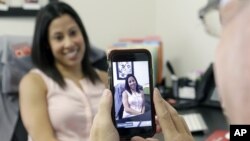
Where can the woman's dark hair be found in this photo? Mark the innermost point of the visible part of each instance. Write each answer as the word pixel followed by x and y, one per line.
pixel 42 56
pixel 127 85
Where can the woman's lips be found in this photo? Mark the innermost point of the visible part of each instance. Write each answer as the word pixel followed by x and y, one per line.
pixel 71 54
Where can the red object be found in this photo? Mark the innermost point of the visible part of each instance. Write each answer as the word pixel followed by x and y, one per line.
pixel 218 135
pixel 21 50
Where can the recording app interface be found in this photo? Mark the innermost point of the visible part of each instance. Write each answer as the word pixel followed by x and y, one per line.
pixel 132 94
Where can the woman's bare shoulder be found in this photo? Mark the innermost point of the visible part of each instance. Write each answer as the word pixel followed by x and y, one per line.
pixel 32 82
pixel 125 92
pixel 31 77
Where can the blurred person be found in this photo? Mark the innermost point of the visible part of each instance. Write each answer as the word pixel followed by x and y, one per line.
pixel 232 62
pixel 60 96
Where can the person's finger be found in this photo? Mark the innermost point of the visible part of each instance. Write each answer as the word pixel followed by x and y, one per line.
pixel 137 138
pixel 176 120
pixel 185 125
pixel 158 127
pixel 180 126
pixel 151 139
pixel 105 103
pixel 163 114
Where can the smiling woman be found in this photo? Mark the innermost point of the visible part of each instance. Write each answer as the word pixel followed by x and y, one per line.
pixel 59 97
pixel 132 98
pixel 67 44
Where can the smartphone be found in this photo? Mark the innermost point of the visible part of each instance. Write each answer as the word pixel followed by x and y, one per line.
pixel 131 83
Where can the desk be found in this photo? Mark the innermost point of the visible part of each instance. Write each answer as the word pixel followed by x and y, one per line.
pixel 213 117
pixel 143 117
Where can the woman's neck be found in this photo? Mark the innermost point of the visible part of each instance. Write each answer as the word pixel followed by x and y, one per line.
pixel 74 73
pixel 132 90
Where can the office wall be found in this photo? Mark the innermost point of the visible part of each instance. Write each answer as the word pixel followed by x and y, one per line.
pixel 109 20
pixel 186 44
pixel 140 75
pixel 105 20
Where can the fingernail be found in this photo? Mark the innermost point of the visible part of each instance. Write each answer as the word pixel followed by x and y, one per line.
pixel 157 93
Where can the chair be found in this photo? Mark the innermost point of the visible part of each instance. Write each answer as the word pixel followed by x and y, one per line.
pixel 119 88
pixel 13 65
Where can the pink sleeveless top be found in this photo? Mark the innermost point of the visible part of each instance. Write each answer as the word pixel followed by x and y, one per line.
pixel 71 110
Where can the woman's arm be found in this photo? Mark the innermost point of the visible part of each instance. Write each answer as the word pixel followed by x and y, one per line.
pixel 127 106
pixel 34 108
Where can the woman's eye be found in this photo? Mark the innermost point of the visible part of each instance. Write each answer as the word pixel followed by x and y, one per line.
pixel 73 33
pixel 58 37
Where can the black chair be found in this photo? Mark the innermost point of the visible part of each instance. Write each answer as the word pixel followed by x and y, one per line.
pixel 20 133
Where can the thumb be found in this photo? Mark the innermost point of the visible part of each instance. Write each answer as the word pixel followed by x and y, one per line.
pixel 106 103
pixel 163 113
pixel 137 138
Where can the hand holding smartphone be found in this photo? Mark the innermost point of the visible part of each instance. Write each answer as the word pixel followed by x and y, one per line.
pixel 130 76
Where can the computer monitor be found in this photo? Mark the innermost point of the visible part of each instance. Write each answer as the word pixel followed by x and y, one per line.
pixel 213 99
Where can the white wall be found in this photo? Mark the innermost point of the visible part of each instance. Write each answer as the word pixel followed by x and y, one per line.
pixel 106 21
pixel 140 72
pixel 186 44
pixel 17 26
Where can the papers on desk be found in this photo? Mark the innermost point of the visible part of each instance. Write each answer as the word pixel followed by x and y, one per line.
pixel 187 92
pixel 195 122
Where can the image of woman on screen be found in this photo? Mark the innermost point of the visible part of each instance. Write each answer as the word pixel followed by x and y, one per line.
pixel 132 98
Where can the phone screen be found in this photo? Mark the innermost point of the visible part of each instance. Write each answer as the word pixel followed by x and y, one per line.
pixel 132 91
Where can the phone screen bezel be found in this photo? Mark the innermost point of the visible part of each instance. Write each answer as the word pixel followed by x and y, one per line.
pixel 133 55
